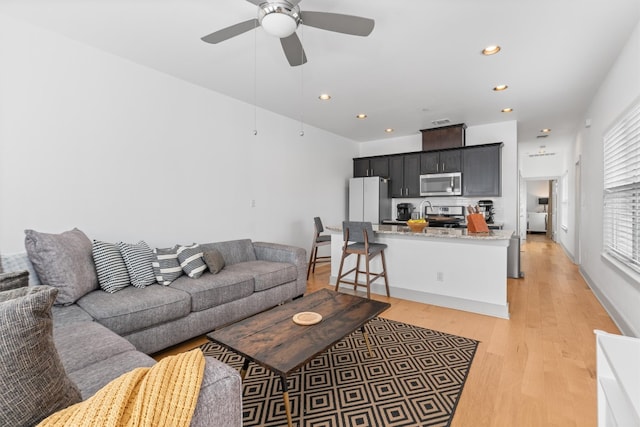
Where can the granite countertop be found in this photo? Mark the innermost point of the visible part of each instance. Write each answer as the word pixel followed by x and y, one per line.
pixel 449 233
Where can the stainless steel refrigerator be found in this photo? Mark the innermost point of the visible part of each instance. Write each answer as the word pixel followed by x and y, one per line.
pixel 369 199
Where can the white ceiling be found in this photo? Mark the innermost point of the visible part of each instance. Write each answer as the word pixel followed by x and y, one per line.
pixel 421 63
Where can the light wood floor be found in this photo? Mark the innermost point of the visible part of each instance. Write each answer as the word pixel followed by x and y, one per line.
pixel 536 369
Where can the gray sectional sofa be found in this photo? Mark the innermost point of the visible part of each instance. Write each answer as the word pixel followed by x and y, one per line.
pixel 103 335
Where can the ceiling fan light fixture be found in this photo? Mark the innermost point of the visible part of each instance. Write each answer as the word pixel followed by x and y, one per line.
pixel 279 19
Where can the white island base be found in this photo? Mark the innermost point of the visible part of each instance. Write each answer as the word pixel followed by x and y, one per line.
pixel 444 267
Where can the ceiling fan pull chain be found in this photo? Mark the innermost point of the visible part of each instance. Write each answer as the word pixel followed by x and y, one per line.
pixel 302 84
pixel 255 78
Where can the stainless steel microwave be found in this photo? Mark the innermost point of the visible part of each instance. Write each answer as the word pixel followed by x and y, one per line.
pixel 441 184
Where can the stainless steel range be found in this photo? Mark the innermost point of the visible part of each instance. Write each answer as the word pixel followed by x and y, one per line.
pixel 445 216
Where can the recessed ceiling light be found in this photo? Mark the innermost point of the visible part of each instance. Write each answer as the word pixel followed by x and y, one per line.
pixel 388 130
pixel 500 87
pixel 507 110
pixel 545 130
pixel 325 96
pixel 491 50
pixel 361 116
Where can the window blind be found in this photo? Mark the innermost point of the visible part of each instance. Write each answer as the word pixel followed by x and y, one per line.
pixel 621 219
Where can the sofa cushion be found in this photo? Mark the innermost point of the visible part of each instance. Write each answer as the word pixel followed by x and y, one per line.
pixel 63 261
pixel 138 258
pixel 93 377
pixel 83 344
pixel 132 309
pixel 190 258
pixel 18 279
pixel 233 251
pixel 266 274
pixel 214 260
pixel 165 265
pixel 33 382
pixel 211 290
pixel 110 267
pixel 66 314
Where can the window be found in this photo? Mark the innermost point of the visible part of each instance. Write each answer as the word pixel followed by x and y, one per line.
pixel 621 219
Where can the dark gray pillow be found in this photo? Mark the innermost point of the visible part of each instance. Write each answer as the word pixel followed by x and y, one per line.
pixel 16 280
pixel 33 382
pixel 63 261
pixel 214 260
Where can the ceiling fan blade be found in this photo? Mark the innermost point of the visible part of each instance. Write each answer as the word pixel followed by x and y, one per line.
pixel 347 24
pixel 293 50
pixel 232 31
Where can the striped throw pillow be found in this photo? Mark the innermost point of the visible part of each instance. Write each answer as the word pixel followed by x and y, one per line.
pixel 166 266
pixel 111 269
pixel 191 261
pixel 138 259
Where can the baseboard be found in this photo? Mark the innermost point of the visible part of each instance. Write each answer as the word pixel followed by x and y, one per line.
pixel 488 309
pixel 617 318
pixel 566 252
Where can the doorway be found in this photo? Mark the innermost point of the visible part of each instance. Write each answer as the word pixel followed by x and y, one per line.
pixel 540 204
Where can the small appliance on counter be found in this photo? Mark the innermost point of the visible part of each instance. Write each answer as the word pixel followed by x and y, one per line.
pixel 404 211
pixel 445 216
pixel 486 208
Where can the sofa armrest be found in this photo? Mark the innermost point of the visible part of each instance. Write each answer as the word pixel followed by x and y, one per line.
pixel 220 398
pixel 276 252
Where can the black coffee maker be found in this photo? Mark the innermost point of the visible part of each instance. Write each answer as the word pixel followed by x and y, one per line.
pixel 486 208
pixel 404 211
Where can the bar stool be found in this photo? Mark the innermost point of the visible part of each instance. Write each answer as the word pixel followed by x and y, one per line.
pixel 318 240
pixel 359 232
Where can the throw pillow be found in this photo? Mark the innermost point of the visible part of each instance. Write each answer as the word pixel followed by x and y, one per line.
pixel 138 259
pixel 15 280
pixel 63 261
pixel 33 382
pixel 191 261
pixel 110 266
pixel 214 260
pixel 166 266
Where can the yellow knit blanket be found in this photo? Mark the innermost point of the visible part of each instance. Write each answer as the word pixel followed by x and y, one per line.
pixel 163 395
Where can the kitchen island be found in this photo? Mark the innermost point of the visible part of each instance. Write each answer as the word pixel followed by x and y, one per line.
pixel 448 267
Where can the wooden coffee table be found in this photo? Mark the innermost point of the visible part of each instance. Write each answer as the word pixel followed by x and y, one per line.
pixel 271 338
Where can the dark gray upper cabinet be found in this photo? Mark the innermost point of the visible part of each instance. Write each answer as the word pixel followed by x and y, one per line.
pixel 440 161
pixel 481 170
pixel 404 172
pixel 371 166
pixel 480 165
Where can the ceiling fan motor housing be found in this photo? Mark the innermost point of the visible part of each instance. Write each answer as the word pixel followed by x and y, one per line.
pixel 280 18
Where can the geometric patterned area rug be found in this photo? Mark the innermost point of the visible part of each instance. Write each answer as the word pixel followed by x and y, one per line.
pixel 415 378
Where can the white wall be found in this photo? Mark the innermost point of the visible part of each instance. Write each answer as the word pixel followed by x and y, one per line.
pixel 619 293
pixel 506 132
pixel 93 141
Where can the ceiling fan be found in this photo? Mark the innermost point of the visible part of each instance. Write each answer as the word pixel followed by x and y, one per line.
pixel 281 18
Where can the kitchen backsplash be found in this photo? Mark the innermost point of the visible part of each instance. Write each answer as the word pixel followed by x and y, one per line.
pixel 498 207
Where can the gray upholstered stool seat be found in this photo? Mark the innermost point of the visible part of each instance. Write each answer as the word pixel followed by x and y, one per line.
pixel 361 234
